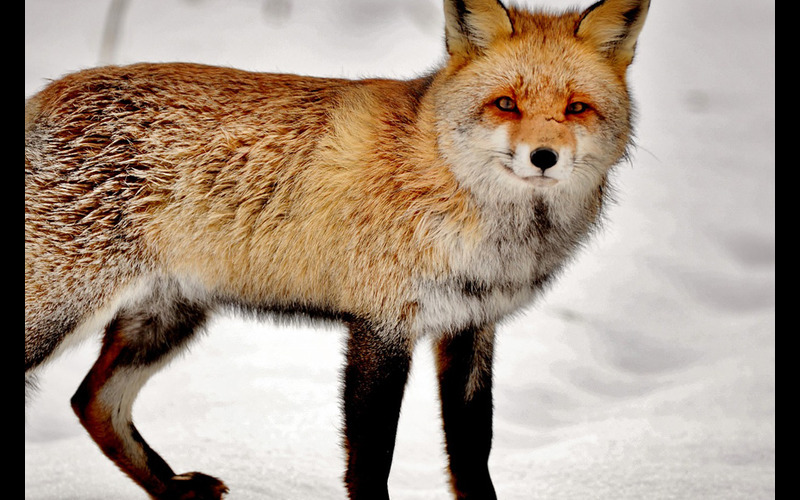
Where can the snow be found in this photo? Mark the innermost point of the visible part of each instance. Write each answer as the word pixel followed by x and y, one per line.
pixel 648 371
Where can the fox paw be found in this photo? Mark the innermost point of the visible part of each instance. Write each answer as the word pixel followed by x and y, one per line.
pixel 194 486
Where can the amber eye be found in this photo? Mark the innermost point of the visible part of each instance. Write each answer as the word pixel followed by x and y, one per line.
pixel 505 104
pixel 576 108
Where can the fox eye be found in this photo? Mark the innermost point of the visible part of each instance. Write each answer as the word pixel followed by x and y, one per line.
pixel 505 104
pixel 576 108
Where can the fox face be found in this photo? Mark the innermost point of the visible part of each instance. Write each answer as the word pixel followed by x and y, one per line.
pixel 538 104
pixel 432 208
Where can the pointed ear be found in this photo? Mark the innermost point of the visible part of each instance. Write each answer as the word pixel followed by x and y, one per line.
pixel 613 26
pixel 472 25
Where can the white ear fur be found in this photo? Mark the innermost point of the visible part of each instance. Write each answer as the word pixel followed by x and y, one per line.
pixel 472 25
pixel 613 27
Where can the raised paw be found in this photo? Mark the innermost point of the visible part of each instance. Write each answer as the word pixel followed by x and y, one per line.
pixel 194 486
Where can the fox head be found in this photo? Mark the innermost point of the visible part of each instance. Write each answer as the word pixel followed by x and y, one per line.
pixel 535 101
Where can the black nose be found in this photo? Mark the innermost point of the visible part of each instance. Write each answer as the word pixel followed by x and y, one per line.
pixel 544 158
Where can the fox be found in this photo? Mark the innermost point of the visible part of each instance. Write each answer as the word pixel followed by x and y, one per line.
pixel 420 210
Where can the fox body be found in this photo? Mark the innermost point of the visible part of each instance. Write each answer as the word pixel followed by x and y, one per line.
pixel 156 194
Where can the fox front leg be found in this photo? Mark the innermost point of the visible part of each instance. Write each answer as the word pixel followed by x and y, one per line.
pixel 374 380
pixel 464 364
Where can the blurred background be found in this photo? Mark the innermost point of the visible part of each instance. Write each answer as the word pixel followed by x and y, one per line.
pixel 646 372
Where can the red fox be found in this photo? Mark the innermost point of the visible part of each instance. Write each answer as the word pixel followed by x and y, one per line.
pixel 157 194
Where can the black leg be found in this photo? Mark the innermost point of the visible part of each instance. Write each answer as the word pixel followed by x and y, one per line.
pixel 374 379
pixel 464 363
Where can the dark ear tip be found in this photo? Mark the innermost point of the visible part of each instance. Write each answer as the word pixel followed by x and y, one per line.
pixel 470 25
pixel 612 24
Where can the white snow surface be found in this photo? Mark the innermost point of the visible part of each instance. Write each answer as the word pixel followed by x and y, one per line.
pixel 647 372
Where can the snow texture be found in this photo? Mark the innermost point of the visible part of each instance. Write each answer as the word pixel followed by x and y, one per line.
pixel 648 371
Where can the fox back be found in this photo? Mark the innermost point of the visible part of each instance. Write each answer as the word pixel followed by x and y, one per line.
pixel 431 208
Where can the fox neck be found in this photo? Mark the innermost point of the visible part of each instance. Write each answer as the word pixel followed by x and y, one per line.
pixel 504 266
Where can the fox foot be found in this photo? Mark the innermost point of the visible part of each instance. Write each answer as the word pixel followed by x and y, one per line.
pixel 194 486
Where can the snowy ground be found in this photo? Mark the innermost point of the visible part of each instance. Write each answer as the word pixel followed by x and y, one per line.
pixel 648 372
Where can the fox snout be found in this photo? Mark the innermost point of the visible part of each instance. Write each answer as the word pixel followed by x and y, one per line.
pixel 544 158
pixel 541 162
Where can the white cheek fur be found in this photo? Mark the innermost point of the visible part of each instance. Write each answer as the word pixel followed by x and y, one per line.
pixel 499 139
pixel 521 162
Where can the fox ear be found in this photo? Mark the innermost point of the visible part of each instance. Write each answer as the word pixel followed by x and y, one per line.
pixel 472 25
pixel 613 27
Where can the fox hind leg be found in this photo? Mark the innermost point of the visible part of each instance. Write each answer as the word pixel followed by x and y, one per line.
pixel 136 344
pixel 464 365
